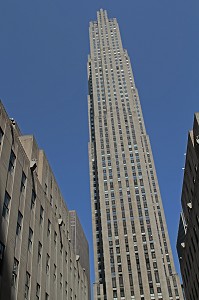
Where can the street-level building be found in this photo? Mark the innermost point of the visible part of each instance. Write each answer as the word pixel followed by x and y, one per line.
pixel 79 242
pixel 37 260
pixel 188 233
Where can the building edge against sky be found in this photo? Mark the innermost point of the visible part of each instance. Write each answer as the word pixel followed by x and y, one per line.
pixel 132 253
pixel 188 232
pixel 37 257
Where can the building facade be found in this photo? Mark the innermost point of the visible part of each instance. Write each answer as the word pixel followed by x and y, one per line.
pixel 132 253
pixel 188 233
pixel 37 260
pixel 79 243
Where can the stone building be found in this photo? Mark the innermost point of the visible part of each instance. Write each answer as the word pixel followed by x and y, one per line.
pixel 79 242
pixel 132 253
pixel 37 260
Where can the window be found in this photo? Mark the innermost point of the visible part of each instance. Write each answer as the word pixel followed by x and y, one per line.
pixel 39 252
pixel 113 283
pixel 6 205
pixel 41 214
pixel 30 236
pixel 1 135
pixel 61 281
pixel 45 189
pixel 46 296
pixel 121 281
pixel 195 234
pixel 122 293
pixel 51 200
pixel 23 182
pixel 115 294
pixel 11 162
pixel 37 291
pixel 157 279
pixel 49 227
pixel 55 237
pixel 19 221
pixel 55 210
pixel 2 248
pixel 54 272
pixel 66 287
pixel 47 264
pixel 33 198
pixel 27 285
pixel 15 272
pixel 159 289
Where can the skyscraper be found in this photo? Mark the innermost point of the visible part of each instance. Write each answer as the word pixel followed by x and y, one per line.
pixel 132 253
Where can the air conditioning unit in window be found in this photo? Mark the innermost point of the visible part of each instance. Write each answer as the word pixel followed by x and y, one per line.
pixel 1 251
pixel 33 165
pixel 182 245
pixel 60 222
pixel 189 205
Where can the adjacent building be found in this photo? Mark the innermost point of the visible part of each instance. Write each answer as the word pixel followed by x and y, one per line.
pixel 79 243
pixel 132 253
pixel 188 233
pixel 37 259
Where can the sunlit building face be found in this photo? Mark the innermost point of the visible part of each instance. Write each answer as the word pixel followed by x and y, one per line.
pixel 132 252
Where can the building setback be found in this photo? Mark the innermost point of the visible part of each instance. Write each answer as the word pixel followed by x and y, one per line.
pixel 37 260
pixel 132 253
pixel 188 233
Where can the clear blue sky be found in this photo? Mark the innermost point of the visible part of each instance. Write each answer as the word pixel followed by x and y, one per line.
pixel 43 85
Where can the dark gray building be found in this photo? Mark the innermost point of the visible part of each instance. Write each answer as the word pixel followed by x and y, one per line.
pixel 132 253
pixel 188 233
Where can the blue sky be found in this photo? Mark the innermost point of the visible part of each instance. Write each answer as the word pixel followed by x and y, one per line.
pixel 43 85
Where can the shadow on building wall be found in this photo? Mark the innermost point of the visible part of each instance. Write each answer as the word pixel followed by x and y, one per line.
pixel 5 270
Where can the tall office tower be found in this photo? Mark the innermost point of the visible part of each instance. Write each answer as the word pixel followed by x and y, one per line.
pixel 37 259
pixel 132 253
pixel 188 233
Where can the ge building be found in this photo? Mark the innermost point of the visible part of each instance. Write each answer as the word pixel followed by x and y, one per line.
pixel 132 253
